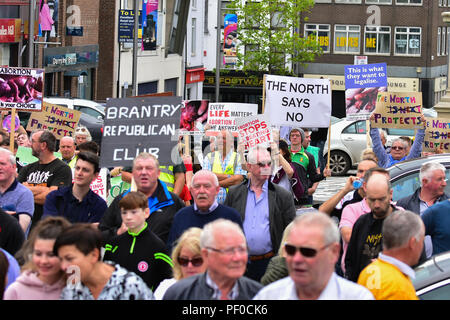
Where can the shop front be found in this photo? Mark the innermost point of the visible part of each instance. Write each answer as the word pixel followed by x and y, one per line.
pixel 71 71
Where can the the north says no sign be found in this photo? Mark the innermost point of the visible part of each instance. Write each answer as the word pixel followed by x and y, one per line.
pixel 290 99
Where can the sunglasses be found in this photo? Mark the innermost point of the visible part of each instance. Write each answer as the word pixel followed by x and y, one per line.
pixel 196 262
pixel 304 251
pixel 397 148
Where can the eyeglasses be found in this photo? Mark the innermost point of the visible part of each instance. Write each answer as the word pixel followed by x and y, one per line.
pixel 229 251
pixel 81 129
pixel 264 164
pixel 196 262
pixel 304 251
pixel 397 148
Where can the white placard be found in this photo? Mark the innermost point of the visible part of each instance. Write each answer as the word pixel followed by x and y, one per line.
pixel 297 102
pixel 223 115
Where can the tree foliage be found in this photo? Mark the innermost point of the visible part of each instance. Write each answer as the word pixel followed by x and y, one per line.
pixel 268 33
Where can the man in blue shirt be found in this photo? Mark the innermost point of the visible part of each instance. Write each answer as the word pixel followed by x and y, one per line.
pixel 399 148
pixel 78 203
pixel 266 209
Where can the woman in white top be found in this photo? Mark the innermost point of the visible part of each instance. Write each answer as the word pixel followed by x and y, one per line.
pixel 187 260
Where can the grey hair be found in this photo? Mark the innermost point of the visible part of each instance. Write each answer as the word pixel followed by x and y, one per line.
pixel 427 169
pixel 11 157
pixel 207 238
pixel 252 154
pixel 204 172
pixel 146 155
pixel 79 132
pixel 404 143
pixel 399 227
pixel 330 228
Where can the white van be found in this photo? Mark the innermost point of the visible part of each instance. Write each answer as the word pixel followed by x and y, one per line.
pixel 89 107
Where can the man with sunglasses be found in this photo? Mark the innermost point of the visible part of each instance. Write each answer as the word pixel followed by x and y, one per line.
pixel 204 189
pixel 224 250
pixel 311 251
pixel 399 149
pixel 266 209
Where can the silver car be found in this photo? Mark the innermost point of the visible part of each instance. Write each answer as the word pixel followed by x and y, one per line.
pixel 349 139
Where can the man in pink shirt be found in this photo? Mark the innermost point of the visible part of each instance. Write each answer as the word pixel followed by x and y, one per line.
pixel 353 211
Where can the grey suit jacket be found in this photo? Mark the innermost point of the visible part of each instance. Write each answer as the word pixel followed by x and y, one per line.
pixel 281 208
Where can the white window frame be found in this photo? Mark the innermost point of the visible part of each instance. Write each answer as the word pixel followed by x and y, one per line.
pixel 347 31
pixel 377 32
pixel 193 37
pixel 384 2
pixel 408 33
pixel 444 41
pixel 347 1
pixel 317 29
pixel 438 48
pixel 408 3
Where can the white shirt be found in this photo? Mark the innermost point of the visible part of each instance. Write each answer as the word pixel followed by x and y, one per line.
pixel 337 288
pixel 404 268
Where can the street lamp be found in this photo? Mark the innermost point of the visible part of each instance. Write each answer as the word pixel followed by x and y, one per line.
pixel 443 107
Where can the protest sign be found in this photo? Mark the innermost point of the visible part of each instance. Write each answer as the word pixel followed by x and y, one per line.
pixel 362 84
pixel 254 130
pixel 398 110
pixel 298 102
pixel 222 116
pixel 25 155
pixel 21 88
pixel 135 125
pixel 194 116
pixel 59 120
pixel 118 186
pixel 437 135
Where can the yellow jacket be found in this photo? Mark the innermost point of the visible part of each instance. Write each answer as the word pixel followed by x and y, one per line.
pixel 387 282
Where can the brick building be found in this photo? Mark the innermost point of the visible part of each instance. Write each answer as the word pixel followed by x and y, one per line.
pixel 408 35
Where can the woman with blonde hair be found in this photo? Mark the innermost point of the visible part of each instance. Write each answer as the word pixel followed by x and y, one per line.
pixel 42 277
pixel 187 260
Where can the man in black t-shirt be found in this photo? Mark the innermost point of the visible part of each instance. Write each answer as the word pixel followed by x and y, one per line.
pixel 46 174
pixel 366 239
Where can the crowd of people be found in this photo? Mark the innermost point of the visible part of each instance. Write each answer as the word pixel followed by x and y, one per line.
pixel 230 224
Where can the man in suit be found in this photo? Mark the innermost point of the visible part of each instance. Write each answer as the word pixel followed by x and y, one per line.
pixel 266 209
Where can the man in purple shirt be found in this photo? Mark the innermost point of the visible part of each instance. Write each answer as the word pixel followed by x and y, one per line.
pixel 266 210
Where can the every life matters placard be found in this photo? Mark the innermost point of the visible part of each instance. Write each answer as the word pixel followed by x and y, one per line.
pixel 297 102
pixel 223 115
pixel 398 110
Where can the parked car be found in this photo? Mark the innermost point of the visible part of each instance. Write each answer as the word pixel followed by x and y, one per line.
pixel 89 107
pixel 432 281
pixel 349 139
pixel 405 175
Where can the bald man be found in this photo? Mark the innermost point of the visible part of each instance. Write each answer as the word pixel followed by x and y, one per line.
pixel 67 148
pixel 366 240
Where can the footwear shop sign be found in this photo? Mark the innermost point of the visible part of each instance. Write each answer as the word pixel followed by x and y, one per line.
pixel 134 125
pixel 301 102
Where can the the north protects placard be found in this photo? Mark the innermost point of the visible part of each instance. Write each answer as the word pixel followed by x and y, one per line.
pixel 135 125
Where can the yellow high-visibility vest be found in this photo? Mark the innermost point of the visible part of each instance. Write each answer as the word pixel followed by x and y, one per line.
pixel 166 175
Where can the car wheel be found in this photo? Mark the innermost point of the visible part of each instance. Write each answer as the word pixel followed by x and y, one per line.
pixel 339 163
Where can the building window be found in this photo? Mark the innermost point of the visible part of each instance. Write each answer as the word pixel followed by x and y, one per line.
pixel 194 37
pixel 408 41
pixel 409 2
pixel 448 38
pixel 347 1
pixel 346 39
pixel 322 34
pixel 444 42
pixel 322 1
pixel 377 40
pixel 439 41
pixel 379 1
